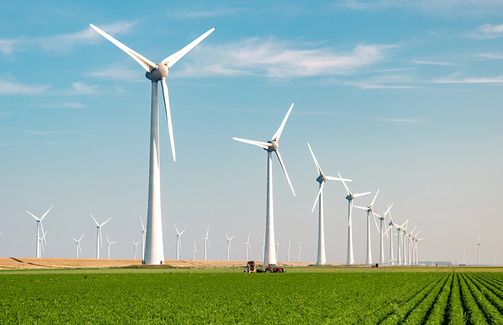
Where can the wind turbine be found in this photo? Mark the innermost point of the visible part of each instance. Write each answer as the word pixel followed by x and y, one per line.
pixel 321 258
pixel 40 227
pixel 77 241
pixel 99 235
pixel 194 251
pixel 370 214
pixel 153 250
pixel 42 245
pixel 135 245
pixel 110 243
pixel 404 233
pixel 206 243
pixel 478 251
pixel 299 250
pixel 382 232
pixel 288 251
pixel 399 229
pixel 178 241
pixel 228 246
pixel 277 251
pixel 271 146
pixel 350 197
pixel 247 245
pixel 143 233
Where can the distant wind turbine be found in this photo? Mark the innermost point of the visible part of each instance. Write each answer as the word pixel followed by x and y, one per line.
pixel 135 246
pixel 110 243
pixel 370 215
pixel 194 251
pixel 155 72
pixel 229 238
pixel 143 233
pixel 247 246
pixel 99 235
pixel 321 258
pixel 350 197
pixel 206 243
pixel 178 242
pixel 40 228
pixel 299 250
pixel 271 146
pixel 77 242
pixel 382 232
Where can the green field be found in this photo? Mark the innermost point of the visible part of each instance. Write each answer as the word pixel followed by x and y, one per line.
pixel 304 295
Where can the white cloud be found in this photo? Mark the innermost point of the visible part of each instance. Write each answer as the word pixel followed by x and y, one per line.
pixel 498 80
pixel 425 62
pixel 15 88
pixel 61 42
pixel 280 59
pixel 72 105
pixel 486 31
pixel 491 56
pixel 83 89
pixel 118 72
pixel 399 120
pixel 205 13
pixel 382 82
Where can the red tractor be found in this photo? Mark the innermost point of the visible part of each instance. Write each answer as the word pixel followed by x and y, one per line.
pixel 273 268
pixel 251 267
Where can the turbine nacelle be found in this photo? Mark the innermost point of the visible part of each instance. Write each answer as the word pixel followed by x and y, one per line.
pixel 273 146
pixel 158 73
pixel 321 179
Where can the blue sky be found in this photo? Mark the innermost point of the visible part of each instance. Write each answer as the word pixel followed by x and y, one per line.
pixel 399 95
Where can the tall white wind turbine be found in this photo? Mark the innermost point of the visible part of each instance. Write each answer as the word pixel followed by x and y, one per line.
pixel 382 232
pixel 43 244
pixel 370 214
pixel 206 243
pixel 155 72
pixel 299 251
pixel 178 242
pixel 350 197
pixel 77 242
pixel 271 146
pixel 194 251
pixel 321 258
pixel 99 235
pixel 109 243
pixel 143 234
pixel 229 238
pixel 40 228
pixel 247 246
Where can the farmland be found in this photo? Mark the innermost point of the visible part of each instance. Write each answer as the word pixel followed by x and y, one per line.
pixel 325 295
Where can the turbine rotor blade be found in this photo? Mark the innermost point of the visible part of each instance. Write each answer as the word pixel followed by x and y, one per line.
pixel 344 183
pixel 332 178
pixel 104 223
pixel 375 197
pixel 46 212
pixel 95 221
pixel 320 192
pixel 361 194
pixel 375 221
pixel 260 144
pixel 167 110
pixel 82 237
pixel 280 159
pixel 140 59
pixel 318 168
pixel 173 58
pixel 31 214
pixel 360 207
pixel 277 135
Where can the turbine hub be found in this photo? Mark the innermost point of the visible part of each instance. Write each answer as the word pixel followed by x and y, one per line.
pixel 320 179
pixel 349 197
pixel 273 146
pixel 157 74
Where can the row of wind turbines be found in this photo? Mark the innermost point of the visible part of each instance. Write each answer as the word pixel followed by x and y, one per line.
pixel 152 237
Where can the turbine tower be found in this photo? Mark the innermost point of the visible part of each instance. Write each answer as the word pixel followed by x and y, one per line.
pixel 110 243
pixel 247 246
pixel 206 243
pixel 350 197
pixel 288 251
pixel 194 251
pixel 229 238
pixel 99 235
pixel 478 251
pixel 178 242
pixel 299 250
pixel 77 242
pixel 271 146
pixel 143 233
pixel 135 245
pixel 382 232
pixel 153 250
pixel 321 258
pixel 40 228
pixel 370 214
pixel 42 245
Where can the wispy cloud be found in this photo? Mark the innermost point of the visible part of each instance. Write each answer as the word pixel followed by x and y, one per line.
pixel 274 58
pixel 381 82
pixel 71 105
pixel 14 88
pixel 60 42
pixel 118 72
pixel 486 31
pixel 398 120
pixel 498 80
pixel 206 13
pixel 427 62
pixel 430 7
pixel 491 56
pixel 81 88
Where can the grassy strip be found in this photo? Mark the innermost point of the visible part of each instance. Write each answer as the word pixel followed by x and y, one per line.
pixel 475 315
pixel 455 313
pixel 425 307
pixel 491 313
pixel 438 311
pixel 496 304
pixel 403 310
pixel 489 285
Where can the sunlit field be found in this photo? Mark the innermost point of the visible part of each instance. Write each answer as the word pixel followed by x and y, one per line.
pixel 226 295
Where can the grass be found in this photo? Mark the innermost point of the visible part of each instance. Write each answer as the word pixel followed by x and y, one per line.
pixel 301 295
